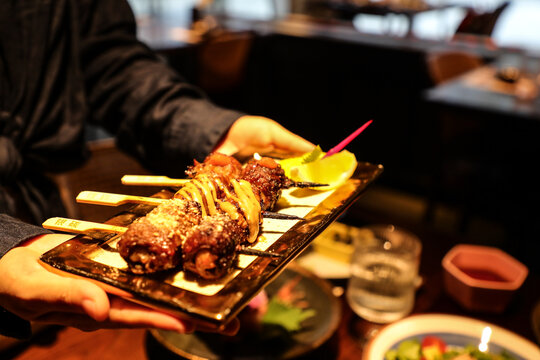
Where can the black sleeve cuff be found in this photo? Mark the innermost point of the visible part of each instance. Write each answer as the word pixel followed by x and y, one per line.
pixel 13 326
pixel 13 232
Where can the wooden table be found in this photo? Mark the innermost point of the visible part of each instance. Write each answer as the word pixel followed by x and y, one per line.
pixel 72 344
pixel 480 91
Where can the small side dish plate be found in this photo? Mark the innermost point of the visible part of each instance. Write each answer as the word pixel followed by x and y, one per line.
pixel 254 344
pixel 95 257
pixel 456 331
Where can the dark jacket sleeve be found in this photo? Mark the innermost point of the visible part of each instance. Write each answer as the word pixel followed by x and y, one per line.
pixel 157 116
pixel 13 326
pixel 13 232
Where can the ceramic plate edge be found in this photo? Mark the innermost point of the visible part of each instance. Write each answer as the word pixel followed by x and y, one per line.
pixel 432 323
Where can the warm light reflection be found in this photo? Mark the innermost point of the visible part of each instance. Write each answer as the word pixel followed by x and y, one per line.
pixel 256 156
pixel 484 340
pixel 184 35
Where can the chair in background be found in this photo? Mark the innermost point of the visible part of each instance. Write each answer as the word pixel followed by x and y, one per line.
pixel 222 59
pixel 480 23
pixel 222 65
pixel 476 28
pixel 102 172
pixel 445 65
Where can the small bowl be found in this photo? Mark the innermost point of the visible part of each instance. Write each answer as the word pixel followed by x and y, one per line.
pixel 482 278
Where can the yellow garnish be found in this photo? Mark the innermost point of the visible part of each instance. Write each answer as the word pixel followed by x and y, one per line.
pixel 333 170
pixel 287 164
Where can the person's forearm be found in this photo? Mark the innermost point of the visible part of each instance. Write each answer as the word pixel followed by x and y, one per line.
pixel 157 116
pixel 13 232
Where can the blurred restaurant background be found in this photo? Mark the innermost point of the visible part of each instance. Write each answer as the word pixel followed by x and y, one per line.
pixel 458 158
pixel 451 87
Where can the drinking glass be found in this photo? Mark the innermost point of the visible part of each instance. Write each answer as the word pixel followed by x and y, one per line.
pixel 384 272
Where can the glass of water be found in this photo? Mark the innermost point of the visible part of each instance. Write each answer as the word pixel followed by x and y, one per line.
pixel 384 272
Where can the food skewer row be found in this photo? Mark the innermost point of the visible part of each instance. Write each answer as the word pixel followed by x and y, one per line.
pixel 103 198
pixel 87 227
pixel 206 221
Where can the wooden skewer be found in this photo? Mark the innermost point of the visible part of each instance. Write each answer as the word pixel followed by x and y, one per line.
pixel 305 184
pixel 280 216
pixel 85 227
pixel 103 198
pixel 158 180
pixel 152 180
pixel 80 226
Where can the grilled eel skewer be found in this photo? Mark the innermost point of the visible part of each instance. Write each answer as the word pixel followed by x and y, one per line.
pixel 201 228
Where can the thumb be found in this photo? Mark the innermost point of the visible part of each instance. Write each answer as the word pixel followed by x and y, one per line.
pixel 287 141
pixel 65 294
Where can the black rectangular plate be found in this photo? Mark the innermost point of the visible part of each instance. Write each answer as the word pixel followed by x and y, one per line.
pixel 75 257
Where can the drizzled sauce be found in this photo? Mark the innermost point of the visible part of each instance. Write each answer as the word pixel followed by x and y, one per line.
pixel 202 189
pixel 249 204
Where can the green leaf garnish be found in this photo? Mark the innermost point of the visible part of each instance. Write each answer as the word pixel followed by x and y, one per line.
pixel 285 315
pixel 315 154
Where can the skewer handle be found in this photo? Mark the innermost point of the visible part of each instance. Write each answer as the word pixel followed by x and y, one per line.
pixel 103 198
pixel 153 180
pixel 79 226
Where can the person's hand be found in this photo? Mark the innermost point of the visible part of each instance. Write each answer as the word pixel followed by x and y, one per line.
pixel 250 134
pixel 33 293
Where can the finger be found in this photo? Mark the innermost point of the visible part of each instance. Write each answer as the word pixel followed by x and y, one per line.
pixel 70 295
pixel 34 291
pixel 230 329
pixel 285 140
pixel 248 151
pixel 80 321
pixel 125 313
